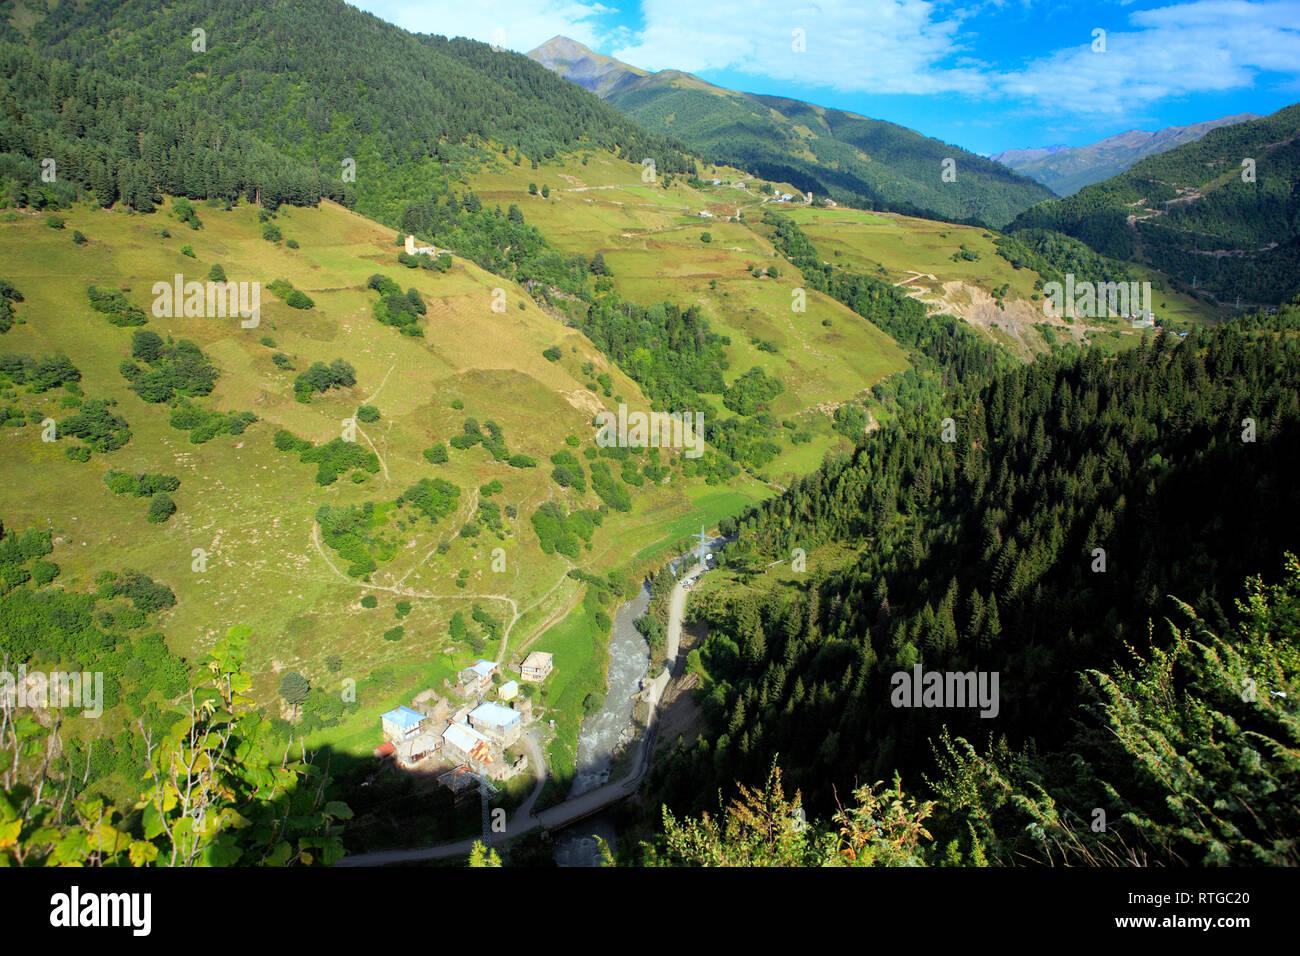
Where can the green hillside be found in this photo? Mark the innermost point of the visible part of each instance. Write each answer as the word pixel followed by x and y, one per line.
pixel 851 158
pixel 414 105
pixel 1220 215
pixel 290 540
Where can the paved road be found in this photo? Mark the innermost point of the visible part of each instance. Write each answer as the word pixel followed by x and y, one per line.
pixel 525 821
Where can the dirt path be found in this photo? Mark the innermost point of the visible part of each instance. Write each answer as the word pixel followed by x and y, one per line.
pixel 570 810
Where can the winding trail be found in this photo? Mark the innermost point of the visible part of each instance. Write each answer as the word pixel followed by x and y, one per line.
pixel 593 801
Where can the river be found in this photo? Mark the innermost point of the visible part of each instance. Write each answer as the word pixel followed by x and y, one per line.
pixel 602 734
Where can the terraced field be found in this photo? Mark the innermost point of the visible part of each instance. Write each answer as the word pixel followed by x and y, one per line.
pixel 247 512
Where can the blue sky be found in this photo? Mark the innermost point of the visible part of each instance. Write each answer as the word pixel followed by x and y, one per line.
pixel 984 74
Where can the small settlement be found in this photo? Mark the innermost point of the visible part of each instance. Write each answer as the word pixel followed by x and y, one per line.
pixel 470 730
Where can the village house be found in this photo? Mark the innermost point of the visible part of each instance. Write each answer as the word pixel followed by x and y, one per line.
pixel 477 678
pixel 496 722
pixel 463 744
pixel 413 250
pixel 536 667
pixel 509 690
pixel 424 744
pixel 401 723
pixel 706 214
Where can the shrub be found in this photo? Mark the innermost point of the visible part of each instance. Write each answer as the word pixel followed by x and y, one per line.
pixel 161 507
pixel 43 572
pixel 437 454
pixel 552 354
pixel 367 413
pixel 370 601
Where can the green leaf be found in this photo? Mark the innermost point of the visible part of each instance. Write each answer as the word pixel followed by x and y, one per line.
pixel 338 810
pixel 153 821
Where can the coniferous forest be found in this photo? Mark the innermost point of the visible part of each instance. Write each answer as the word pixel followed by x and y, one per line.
pixel 913 469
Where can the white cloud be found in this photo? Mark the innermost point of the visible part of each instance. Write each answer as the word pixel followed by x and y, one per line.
pixel 882 46
pixel 1203 47
pixel 519 25
pixel 910 46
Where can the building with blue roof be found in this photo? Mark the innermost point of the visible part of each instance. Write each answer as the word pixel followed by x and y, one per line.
pixel 402 723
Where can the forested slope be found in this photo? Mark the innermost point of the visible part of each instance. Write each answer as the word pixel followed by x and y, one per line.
pixel 323 82
pixel 1222 213
pixel 1078 495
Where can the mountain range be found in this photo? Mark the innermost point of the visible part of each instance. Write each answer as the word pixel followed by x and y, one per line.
pixel 848 157
pixel 1221 215
pixel 1067 169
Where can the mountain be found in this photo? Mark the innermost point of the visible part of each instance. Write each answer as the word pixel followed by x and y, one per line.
pixel 1010 157
pixel 1221 214
pixel 834 153
pixel 414 108
pixel 603 75
pixel 1065 170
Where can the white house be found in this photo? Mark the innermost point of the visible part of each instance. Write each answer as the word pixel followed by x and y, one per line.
pixel 496 722
pixel 477 677
pixel 401 723
pixel 413 250
pixel 466 745
pixel 536 667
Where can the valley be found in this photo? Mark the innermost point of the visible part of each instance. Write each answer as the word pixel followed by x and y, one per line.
pixel 314 331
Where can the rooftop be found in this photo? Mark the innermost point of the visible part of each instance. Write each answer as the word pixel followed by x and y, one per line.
pixel 483 668
pixel 468 740
pixel 404 717
pixel 495 715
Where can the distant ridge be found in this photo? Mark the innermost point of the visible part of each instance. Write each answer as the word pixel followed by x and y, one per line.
pixel 1065 170
pixel 828 152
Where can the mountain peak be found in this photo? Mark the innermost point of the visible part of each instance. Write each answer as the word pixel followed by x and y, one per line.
pixel 560 45
pixel 593 71
pixel 1067 170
